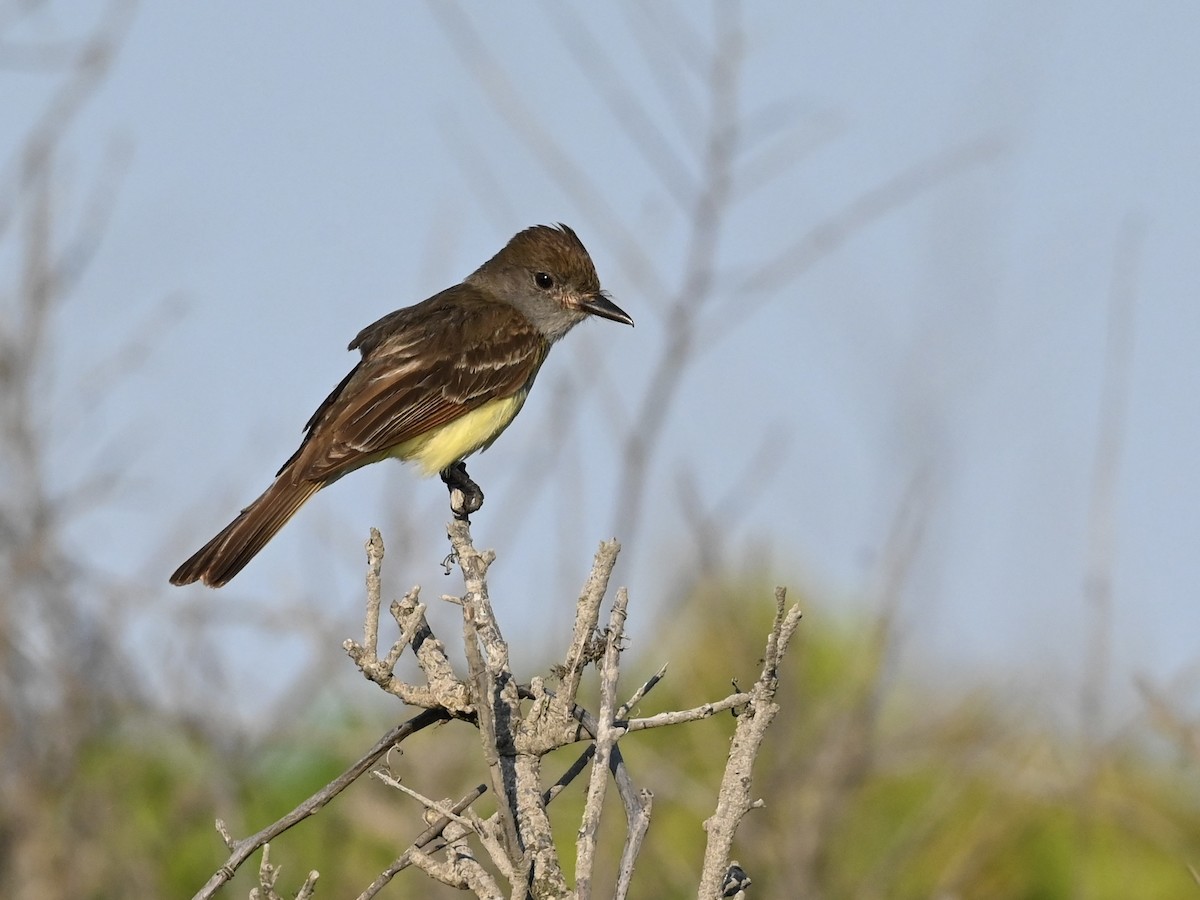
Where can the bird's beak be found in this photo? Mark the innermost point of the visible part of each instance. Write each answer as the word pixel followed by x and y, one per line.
pixel 600 305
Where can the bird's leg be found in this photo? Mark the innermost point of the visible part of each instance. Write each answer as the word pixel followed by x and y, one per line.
pixel 465 495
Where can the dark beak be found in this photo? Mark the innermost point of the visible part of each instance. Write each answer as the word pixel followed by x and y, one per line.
pixel 599 305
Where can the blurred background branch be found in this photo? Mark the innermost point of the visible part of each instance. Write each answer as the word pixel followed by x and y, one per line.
pixel 868 252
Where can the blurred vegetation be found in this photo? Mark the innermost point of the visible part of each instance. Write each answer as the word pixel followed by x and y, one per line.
pixel 873 786
pixel 869 791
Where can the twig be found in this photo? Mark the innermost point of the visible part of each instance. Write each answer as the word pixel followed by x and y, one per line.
pixel 1102 517
pixel 695 714
pixel 268 874
pixel 733 800
pixel 544 143
pixel 475 606
pixel 638 803
pixel 430 837
pixel 607 734
pixel 585 718
pixel 374 591
pixel 518 836
pixel 637 820
pixel 641 692
pixel 711 203
pixel 460 870
pixel 366 654
pixel 587 615
pixel 444 688
pixel 429 803
pixel 515 770
pixel 242 849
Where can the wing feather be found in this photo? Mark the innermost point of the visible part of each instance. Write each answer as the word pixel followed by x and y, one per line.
pixel 422 367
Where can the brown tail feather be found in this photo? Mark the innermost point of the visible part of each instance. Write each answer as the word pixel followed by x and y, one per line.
pixel 227 554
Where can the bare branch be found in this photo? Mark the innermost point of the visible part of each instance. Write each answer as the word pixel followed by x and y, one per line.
pixel 242 849
pixel 459 870
pixel 678 717
pixel 645 29
pixel 587 615
pixel 543 143
pixel 607 734
pixel 515 770
pixel 441 809
pixel 518 727
pixel 826 236
pixel 428 840
pixel 268 874
pixel 638 822
pixel 1110 433
pixel 639 125
pixel 444 689
pixel 733 801
pixel 88 68
pixel 642 438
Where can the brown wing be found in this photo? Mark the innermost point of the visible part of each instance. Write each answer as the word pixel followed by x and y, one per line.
pixel 422 367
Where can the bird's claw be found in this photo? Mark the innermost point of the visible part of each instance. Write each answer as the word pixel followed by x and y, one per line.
pixel 466 496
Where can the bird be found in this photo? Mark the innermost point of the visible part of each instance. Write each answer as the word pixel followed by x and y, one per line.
pixel 436 382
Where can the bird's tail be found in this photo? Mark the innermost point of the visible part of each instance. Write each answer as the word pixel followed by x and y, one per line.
pixel 227 554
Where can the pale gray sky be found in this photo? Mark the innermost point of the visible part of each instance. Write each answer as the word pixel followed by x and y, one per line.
pixel 297 171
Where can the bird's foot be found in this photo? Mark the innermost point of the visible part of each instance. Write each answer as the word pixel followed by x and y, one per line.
pixel 465 495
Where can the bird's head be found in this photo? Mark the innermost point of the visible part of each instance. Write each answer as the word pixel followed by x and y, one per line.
pixel 547 274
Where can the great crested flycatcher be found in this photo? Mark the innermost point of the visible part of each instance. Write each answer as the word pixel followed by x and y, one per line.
pixel 436 382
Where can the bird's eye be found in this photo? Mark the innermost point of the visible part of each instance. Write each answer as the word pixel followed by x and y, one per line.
pixel 544 281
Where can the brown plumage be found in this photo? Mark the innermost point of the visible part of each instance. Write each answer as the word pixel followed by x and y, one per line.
pixel 436 382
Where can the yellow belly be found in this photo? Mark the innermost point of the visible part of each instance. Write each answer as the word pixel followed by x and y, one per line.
pixel 437 449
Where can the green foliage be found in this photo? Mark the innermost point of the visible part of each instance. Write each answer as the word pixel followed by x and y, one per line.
pixel 871 788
